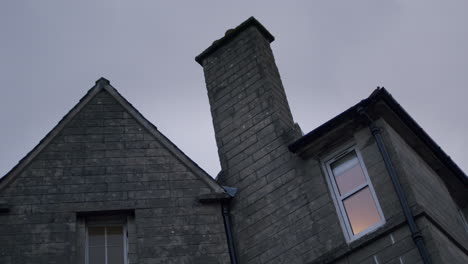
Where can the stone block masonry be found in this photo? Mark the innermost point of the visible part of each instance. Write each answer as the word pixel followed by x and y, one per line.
pixel 106 160
pixel 276 203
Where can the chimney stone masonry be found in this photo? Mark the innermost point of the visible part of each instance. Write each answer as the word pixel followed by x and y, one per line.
pixel 250 111
pixel 253 127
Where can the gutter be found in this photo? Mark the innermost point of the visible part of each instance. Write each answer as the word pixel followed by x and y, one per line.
pixel 226 210
pixel 416 235
pixel 225 200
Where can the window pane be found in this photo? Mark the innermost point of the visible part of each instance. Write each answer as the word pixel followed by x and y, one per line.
pixel 96 255
pixel 96 236
pixel 115 255
pixel 348 173
pixel 114 236
pixel 361 210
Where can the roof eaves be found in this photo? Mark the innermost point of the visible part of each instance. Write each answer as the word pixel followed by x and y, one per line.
pixel 297 145
pixel 422 135
pixel 381 94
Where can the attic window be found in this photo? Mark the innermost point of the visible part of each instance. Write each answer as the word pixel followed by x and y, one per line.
pixel 357 205
pixel 106 244
pixel 106 240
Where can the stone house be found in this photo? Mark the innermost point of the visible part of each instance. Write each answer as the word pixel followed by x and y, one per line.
pixel 105 186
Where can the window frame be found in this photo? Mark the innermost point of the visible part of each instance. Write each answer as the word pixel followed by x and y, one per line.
pixel 338 199
pixel 107 223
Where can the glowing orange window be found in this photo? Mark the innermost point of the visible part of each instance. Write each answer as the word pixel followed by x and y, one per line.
pixel 357 205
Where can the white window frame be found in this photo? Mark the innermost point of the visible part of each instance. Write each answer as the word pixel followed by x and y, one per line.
pixel 338 198
pixel 107 223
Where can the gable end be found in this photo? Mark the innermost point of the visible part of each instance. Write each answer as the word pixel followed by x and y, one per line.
pixel 104 85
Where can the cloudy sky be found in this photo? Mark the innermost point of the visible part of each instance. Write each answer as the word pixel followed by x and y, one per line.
pixel 330 54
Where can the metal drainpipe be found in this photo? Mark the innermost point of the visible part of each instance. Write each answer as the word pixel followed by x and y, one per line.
pixel 415 233
pixel 225 207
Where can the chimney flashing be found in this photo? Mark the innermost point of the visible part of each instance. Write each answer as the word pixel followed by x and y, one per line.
pixel 231 33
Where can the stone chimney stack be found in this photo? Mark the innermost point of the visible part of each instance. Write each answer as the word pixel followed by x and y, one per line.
pixel 250 112
pixel 253 127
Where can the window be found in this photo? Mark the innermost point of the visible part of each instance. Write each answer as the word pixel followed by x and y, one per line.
pixel 355 199
pixel 106 242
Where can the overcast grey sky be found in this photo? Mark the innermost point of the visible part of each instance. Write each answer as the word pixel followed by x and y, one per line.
pixel 330 54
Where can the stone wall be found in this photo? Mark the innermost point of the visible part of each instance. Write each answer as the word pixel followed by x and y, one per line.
pixel 105 160
pixel 284 211
pixel 428 191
